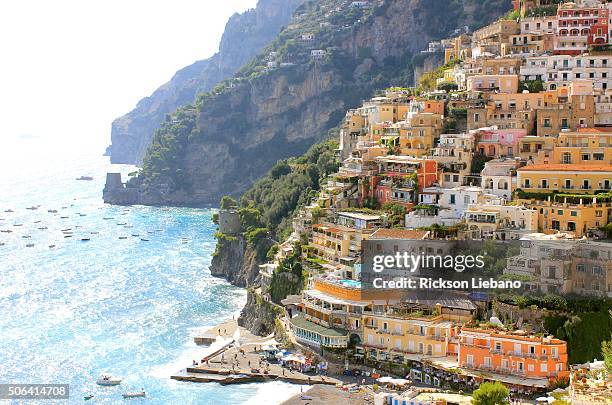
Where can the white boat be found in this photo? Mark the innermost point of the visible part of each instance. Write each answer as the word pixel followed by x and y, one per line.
pixel 108 379
pixel 134 394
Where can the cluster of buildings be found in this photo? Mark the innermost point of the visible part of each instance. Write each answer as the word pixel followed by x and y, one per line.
pixel 530 166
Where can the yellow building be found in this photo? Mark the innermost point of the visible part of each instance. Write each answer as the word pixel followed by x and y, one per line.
pixel 340 242
pixel 586 146
pixel 531 146
pixel 571 178
pixel 412 332
pixel 419 137
pixel 574 215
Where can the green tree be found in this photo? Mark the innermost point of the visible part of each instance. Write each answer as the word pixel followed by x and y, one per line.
pixel 606 349
pixel 494 393
pixel 228 202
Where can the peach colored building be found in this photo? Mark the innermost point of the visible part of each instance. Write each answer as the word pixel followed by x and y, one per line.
pixel 516 353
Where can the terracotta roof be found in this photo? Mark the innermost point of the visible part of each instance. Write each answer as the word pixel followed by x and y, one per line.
pixel 596 129
pixel 567 168
pixel 394 233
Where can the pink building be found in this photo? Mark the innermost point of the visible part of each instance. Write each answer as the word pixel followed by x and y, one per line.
pixel 498 142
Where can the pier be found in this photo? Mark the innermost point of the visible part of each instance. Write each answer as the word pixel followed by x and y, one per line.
pixel 242 363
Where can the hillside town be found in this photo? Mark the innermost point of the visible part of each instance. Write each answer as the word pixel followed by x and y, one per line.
pixel 508 140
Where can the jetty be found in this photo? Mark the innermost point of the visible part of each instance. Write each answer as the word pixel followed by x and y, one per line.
pixel 239 360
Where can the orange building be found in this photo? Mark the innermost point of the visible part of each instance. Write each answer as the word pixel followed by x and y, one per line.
pixel 396 179
pixel 513 353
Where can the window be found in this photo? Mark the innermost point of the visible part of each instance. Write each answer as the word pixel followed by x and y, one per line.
pixel 580 268
pixel 597 270
pixel 564 123
pixel 543 367
pixel 470 359
pixel 586 156
pixel 574 213
pixel 546 123
pixel 466 199
pixel 559 212
pixel 476 117
pixel 452 198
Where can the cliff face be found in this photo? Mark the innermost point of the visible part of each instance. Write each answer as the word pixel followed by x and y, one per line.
pixel 258 316
pixel 232 136
pixel 244 36
pixel 236 261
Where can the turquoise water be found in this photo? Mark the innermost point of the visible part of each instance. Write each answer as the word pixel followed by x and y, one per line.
pixel 124 306
pixel 351 283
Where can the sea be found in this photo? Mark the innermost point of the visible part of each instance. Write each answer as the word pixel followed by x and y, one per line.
pixel 124 294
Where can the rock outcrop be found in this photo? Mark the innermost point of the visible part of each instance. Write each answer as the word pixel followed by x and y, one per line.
pixel 244 36
pixel 258 316
pixel 235 261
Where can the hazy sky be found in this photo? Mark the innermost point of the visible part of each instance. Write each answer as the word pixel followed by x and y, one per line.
pixel 69 67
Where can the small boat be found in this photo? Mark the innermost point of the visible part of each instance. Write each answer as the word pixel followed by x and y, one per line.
pixel 51 246
pixel 43 228
pixel 66 230
pixel 134 394
pixel 87 397
pixel 123 237
pixel 108 380
pixel 63 217
pixel 2 243
pixel 32 208
pixel 122 223
pixel 26 236
pixel 68 235
pixel 37 222
pixel 107 218
pixel 144 239
pixel 52 211
pixel 159 230
pixel 30 245
pixel 77 226
pixel 85 239
pixel 94 232
pixel 9 210
pixel 6 231
pixel 82 215
pixel 86 178
pixel 135 234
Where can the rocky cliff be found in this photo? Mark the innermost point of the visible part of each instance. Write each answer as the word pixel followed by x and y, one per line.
pixel 330 57
pixel 236 261
pixel 244 36
pixel 258 315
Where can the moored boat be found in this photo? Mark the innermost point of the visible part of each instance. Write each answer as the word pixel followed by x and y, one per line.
pixel 107 379
pixel 134 394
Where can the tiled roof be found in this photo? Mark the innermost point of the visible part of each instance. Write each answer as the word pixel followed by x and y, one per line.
pixel 393 233
pixel 567 168
pixel 596 129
